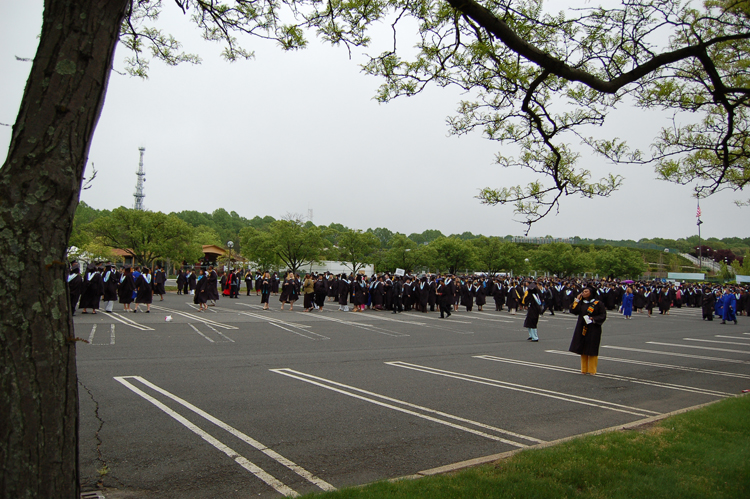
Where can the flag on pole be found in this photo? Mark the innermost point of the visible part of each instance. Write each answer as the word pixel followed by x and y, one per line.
pixel 698 215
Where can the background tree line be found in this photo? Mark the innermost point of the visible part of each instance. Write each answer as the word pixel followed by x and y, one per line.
pixel 293 243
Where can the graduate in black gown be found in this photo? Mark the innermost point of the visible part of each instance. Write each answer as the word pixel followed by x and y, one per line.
pixel 110 281
pixel 75 284
pixel 126 288
pixel 159 278
pixel 144 290
pixel 320 290
pixel 200 296
pixel 92 290
pixel 211 286
pixel 181 281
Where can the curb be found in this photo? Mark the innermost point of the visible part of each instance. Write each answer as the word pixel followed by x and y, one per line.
pixel 505 455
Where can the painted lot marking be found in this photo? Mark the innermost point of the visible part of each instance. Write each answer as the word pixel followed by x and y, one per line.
pixel 733 337
pixel 675 354
pixel 696 346
pixel 656 364
pixel 196 318
pixel 292 327
pixel 423 324
pixel 366 327
pixel 717 341
pixel 502 320
pixel 111 334
pixel 198 331
pixel 528 389
pixel 617 377
pixel 349 391
pixel 129 322
pixel 242 461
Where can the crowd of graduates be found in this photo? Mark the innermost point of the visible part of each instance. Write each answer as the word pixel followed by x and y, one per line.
pixel 427 292
pixel 397 293
pixel 107 283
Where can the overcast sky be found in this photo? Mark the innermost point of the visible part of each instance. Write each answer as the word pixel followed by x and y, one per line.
pixel 288 132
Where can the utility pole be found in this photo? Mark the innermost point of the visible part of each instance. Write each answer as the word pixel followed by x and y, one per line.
pixel 139 195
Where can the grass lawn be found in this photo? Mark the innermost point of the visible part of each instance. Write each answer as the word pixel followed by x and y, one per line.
pixel 704 453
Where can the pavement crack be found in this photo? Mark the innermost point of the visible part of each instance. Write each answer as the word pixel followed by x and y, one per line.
pixel 103 468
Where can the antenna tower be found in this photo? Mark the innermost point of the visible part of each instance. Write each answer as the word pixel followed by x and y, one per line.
pixel 309 214
pixel 139 195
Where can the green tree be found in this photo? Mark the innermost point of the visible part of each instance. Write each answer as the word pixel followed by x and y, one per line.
pixel 288 242
pixel 494 255
pixel 357 249
pixel 453 254
pixel 560 259
pixel 515 58
pixel 383 234
pixel 147 235
pixel 619 263
pixel 259 247
pixel 203 234
pixel 403 253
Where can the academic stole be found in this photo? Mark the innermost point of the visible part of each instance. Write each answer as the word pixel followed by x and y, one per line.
pixel 591 311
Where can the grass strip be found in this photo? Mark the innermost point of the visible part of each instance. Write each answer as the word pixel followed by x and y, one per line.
pixel 698 454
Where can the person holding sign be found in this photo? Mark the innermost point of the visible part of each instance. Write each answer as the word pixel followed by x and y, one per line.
pixel 588 333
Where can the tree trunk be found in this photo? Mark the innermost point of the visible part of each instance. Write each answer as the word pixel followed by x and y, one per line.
pixel 40 183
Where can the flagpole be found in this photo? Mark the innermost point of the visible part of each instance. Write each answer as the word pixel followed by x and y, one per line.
pixel 700 247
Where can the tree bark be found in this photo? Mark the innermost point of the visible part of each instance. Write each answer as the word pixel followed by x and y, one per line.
pixel 40 183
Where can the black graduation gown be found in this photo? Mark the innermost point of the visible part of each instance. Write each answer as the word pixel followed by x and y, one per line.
pixel 200 290
pixel 92 290
pixel 708 303
pixel 191 281
pixel 343 291
pixel 423 294
pixel 144 290
pixel 532 313
pixel 378 294
pixel 432 295
pixel 126 288
pixel 110 285
pixel 160 277
pixel 211 289
pixel 480 295
pixel 588 344
pixel 320 290
pixel 74 289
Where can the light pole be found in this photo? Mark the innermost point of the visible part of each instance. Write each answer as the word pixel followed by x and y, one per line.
pixel 230 245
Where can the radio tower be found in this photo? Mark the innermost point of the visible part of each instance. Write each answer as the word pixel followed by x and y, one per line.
pixel 139 195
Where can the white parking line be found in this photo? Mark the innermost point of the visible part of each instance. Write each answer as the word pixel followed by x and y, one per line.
pixel 220 333
pixel 719 342
pixel 696 346
pixel 640 381
pixel 197 331
pixel 242 461
pixel 656 364
pixel 112 334
pixel 366 327
pixel 528 389
pixel 420 324
pixel 732 337
pixel 195 317
pixel 93 331
pixel 325 383
pixel 291 327
pixel 129 322
pixel 675 354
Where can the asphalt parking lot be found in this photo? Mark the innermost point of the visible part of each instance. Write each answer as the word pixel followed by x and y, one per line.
pixel 239 402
